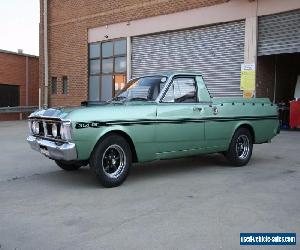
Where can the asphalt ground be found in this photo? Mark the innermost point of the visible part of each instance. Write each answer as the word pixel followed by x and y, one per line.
pixel 191 203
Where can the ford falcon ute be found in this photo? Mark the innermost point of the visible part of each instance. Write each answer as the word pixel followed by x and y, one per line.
pixel 154 117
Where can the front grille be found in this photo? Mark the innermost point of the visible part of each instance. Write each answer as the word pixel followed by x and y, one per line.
pixel 45 128
pixel 41 128
pixel 49 128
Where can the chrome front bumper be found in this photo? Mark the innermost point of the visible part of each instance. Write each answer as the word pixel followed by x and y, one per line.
pixel 62 151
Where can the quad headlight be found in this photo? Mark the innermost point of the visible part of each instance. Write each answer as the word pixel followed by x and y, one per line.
pixel 54 130
pixel 59 130
pixel 30 127
pixel 35 127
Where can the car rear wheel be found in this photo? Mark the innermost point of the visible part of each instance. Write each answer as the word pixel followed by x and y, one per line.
pixel 240 148
pixel 111 160
pixel 68 165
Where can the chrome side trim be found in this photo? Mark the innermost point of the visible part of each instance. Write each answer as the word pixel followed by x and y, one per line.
pixel 56 151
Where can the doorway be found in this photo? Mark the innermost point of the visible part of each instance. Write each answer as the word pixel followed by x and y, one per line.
pixel 276 79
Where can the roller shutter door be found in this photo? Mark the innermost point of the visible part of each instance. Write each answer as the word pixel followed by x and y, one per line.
pixel 215 51
pixel 279 33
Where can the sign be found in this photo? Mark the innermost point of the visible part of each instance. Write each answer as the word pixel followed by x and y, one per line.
pixel 248 94
pixel 268 239
pixel 248 76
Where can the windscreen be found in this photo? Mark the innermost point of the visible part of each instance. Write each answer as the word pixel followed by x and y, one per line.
pixel 142 89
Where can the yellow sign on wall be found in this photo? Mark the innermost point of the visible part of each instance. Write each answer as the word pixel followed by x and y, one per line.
pixel 248 94
pixel 248 76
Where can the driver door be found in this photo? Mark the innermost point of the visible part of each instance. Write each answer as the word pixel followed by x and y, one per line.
pixel 179 129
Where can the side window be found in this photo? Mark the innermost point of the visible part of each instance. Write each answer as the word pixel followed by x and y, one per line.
pixel 182 90
pixel 65 85
pixel 54 85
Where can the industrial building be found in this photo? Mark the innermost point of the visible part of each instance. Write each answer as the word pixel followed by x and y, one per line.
pixel 89 49
pixel 19 84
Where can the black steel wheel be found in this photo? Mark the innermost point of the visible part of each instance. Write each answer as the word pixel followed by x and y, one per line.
pixel 240 148
pixel 111 160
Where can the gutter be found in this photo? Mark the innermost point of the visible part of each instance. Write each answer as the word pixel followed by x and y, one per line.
pixel 45 54
pixel 27 81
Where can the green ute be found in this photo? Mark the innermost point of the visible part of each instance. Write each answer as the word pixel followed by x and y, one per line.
pixel 154 117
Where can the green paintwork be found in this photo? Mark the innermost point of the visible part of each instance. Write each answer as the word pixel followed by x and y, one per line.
pixel 169 140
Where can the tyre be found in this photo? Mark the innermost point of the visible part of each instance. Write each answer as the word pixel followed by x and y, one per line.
pixel 111 160
pixel 68 165
pixel 240 148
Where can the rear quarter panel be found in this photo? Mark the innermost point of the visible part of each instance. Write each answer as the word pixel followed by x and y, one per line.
pixel 254 112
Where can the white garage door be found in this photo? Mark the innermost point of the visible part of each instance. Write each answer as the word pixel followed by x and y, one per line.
pixel 279 33
pixel 215 51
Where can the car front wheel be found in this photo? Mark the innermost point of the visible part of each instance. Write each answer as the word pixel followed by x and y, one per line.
pixel 240 148
pixel 111 160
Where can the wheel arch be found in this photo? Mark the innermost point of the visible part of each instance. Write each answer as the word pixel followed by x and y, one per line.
pixel 247 126
pixel 122 134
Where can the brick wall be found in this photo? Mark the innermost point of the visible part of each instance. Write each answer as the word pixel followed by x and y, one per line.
pixel 13 71
pixel 13 116
pixel 68 23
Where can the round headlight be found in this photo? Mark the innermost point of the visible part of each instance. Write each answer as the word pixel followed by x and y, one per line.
pixel 35 127
pixel 54 130
pixel 30 127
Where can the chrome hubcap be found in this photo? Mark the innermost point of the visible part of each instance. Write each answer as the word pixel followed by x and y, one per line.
pixel 242 147
pixel 113 161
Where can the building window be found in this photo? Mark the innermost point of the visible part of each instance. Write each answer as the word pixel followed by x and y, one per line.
pixel 94 50
pixel 65 85
pixel 94 66
pixel 54 85
pixel 107 69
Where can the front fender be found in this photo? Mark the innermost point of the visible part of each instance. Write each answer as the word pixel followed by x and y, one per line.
pixel 86 138
pixel 142 139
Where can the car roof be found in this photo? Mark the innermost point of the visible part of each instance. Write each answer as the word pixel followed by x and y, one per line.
pixel 171 73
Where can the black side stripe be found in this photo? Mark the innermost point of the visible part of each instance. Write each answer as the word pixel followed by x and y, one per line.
pixel 97 124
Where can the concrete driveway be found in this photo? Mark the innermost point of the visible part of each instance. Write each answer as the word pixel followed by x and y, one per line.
pixel 193 203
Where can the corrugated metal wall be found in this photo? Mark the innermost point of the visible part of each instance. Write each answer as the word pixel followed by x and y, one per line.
pixel 216 51
pixel 279 33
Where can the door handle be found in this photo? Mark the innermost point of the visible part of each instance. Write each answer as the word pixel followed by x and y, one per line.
pixel 197 109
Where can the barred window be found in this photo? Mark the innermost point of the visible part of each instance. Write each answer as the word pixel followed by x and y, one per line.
pixel 65 85
pixel 53 85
